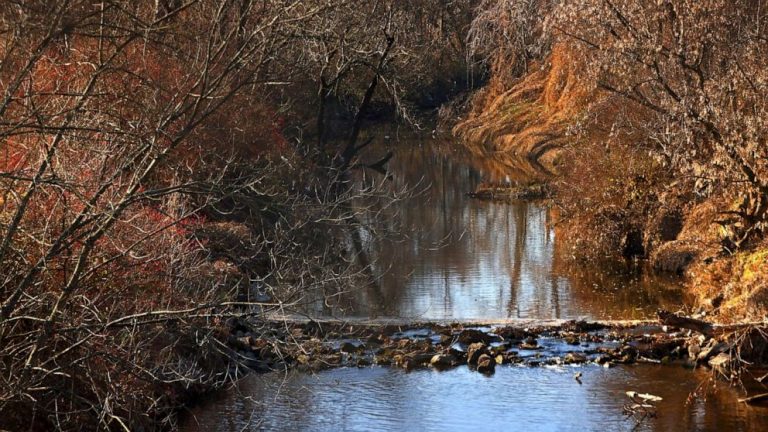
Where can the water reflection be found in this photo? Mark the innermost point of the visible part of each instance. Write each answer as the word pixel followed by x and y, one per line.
pixel 459 258
pixel 515 398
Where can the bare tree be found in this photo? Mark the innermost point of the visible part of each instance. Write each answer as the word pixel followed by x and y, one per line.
pixel 508 35
pixel 147 192
pixel 102 105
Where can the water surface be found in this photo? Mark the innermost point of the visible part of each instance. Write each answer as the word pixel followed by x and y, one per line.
pixel 459 258
pixel 515 398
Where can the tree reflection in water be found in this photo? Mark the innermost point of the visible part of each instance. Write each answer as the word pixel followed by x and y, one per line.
pixel 454 257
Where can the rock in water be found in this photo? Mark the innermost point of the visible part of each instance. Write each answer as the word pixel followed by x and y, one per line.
pixel 470 336
pixel 442 361
pixel 474 352
pixel 486 364
pixel 530 343
pixel 348 347
pixel 416 360
pixel 575 357
pixel 572 340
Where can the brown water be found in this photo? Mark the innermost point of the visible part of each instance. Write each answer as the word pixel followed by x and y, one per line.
pixel 459 258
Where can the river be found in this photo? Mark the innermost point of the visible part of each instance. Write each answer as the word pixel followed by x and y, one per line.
pixel 455 258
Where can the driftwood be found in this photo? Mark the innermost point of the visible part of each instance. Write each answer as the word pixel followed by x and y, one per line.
pixel 756 398
pixel 673 320
pixel 641 406
pixel 643 397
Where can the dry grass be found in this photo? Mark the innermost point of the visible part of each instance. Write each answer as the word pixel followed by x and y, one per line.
pixel 639 172
pixel 530 118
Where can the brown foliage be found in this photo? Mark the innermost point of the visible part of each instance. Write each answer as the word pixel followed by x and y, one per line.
pixel 698 69
pixel 147 185
pixel 653 108
pixel 530 118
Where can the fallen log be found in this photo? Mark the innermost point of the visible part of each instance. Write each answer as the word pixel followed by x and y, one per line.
pixel 674 320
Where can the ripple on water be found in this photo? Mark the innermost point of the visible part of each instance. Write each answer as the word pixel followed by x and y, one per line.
pixel 515 398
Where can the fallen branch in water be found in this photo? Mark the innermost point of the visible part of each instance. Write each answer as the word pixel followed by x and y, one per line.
pixel 645 397
pixel 641 407
pixel 674 320
pixel 642 359
pixel 756 398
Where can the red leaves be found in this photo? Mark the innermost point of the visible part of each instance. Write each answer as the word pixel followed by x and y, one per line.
pixel 12 158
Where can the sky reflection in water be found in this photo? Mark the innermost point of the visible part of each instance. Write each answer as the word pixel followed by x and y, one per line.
pixel 515 398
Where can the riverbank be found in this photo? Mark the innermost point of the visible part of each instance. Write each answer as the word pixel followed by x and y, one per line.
pixel 638 173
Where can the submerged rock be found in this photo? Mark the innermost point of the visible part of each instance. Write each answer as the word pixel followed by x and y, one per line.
pixel 508 192
pixel 574 357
